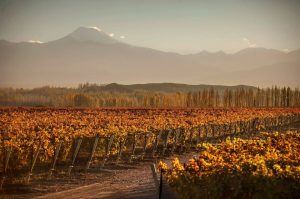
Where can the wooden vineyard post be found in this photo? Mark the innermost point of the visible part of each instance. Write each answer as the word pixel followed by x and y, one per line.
pixel 216 130
pixel 271 123
pixel 156 143
pixel 175 134
pixel 155 177
pixel 92 152
pixel 220 131
pixel 245 127
pixel 36 154
pixel 245 124
pixel 277 122
pixel 212 126
pixel 198 136
pixel 225 129
pixel 190 145
pixel 254 125
pixel 79 141
pixel 232 128
pixel 266 124
pixel 206 132
pixel 107 149
pixel 56 153
pixel 249 126
pixel 241 127
pixel 182 136
pixel 162 187
pixel 235 128
pixel 165 146
pixel 133 148
pixel 229 129
pixel 121 145
pixel 281 121
pixel 146 139
pixel 160 184
pixel 286 121
pixel 8 154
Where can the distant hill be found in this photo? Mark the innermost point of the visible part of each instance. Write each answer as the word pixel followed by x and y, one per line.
pixel 158 87
pixel 89 55
pixel 173 87
pixel 119 89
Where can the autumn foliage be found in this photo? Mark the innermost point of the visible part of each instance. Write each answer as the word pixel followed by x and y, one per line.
pixel 265 166
pixel 25 129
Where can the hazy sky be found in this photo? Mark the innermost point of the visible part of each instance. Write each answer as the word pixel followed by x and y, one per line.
pixel 179 26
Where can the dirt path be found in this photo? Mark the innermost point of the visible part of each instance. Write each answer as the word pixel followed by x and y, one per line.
pixel 126 180
pixel 129 183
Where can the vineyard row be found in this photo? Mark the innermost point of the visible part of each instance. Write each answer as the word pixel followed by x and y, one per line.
pixel 97 151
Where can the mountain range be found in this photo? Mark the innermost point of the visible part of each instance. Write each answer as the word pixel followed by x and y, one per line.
pixel 90 55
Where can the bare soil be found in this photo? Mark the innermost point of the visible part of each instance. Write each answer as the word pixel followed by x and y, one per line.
pixel 128 180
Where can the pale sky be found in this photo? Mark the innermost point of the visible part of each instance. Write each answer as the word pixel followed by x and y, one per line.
pixel 181 26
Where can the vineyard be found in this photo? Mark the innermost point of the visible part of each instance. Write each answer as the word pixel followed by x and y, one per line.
pixel 264 166
pixel 90 138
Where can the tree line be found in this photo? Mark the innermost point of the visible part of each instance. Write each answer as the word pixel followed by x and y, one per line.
pixel 79 97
